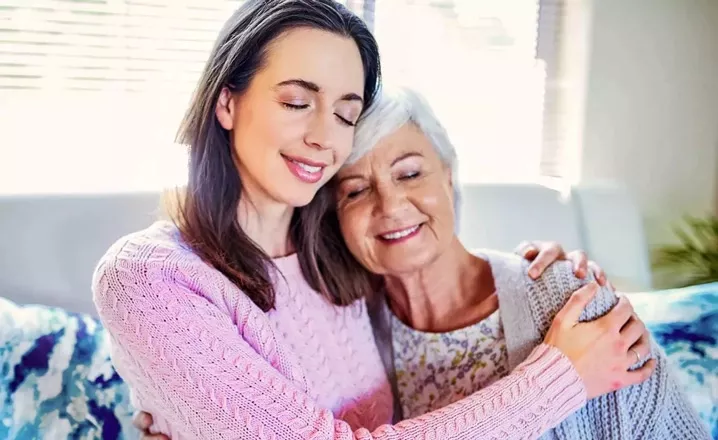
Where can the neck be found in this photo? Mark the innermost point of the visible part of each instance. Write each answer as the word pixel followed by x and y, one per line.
pixel 267 224
pixel 453 291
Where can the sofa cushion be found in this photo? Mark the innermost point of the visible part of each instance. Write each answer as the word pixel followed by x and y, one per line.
pixel 56 377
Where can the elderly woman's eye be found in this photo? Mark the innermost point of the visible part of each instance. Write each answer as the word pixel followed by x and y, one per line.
pixel 409 176
pixel 355 193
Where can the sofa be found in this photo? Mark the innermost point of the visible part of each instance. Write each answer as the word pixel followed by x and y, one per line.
pixel 56 377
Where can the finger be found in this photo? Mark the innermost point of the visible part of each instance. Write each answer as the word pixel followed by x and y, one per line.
pixel 568 316
pixel 598 273
pixel 632 331
pixel 579 261
pixel 619 315
pixel 610 285
pixel 548 253
pixel 527 250
pixel 154 437
pixel 142 421
pixel 642 349
pixel 640 375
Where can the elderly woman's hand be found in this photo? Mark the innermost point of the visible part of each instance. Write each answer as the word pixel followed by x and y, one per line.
pixel 143 422
pixel 603 351
pixel 543 253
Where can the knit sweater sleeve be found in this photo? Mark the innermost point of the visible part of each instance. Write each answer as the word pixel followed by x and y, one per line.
pixel 192 360
pixel 655 409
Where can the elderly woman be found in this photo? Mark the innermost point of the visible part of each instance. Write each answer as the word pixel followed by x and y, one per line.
pixel 451 322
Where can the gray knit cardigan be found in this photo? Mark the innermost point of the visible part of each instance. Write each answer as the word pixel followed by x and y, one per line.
pixel 654 410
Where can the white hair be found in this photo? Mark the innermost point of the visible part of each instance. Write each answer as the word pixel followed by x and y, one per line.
pixel 393 109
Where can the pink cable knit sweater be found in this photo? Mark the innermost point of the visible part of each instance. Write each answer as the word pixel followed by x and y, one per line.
pixel 207 363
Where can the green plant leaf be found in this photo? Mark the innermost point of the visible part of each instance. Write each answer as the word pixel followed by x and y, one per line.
pixel 695 258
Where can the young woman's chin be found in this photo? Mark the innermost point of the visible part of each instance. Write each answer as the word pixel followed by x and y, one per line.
pixel 299 197
pixel 298 194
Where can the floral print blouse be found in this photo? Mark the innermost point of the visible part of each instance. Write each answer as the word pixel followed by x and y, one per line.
pixel 436 369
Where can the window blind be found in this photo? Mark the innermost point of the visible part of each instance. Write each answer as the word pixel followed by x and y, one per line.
pixel 549 46
pixel 119 45
pixel 91 91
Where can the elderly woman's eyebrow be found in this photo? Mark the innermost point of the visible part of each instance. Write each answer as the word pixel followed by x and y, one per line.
pixel 406 156
pixel 349 177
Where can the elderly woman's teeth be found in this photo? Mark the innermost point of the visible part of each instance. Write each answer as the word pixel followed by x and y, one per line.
pixel 399 234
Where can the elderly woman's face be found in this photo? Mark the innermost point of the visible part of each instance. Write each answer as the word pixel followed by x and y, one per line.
pixel 395 205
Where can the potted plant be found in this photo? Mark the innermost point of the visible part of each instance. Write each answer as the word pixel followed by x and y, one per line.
pixel 694 259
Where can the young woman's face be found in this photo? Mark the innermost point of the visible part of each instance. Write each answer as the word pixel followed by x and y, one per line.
pixel 294 126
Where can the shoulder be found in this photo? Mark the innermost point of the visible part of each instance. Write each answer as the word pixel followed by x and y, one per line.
pixel 134 253
pixel 510 263
pixel 548 293
pixel 502 262
pixel 153 259
pixel 556 279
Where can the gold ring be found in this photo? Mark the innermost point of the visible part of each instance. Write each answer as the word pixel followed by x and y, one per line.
pixel 638 356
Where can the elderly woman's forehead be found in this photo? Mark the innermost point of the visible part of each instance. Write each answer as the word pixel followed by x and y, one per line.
pixel 405 135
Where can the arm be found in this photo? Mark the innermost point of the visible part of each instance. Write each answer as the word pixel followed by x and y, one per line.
pixel 664 410
pixel 189 359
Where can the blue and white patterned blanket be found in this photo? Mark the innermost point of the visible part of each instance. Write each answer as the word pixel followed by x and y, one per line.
pixel 685 323
pixel 57 381
pixel 56 378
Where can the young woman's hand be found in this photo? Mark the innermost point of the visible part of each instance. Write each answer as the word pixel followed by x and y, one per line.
pixel 143 421
pixel 543 253
pixel 604 350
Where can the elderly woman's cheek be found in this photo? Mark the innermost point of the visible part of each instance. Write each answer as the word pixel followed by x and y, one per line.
pixel 431 204
pixel 438 207
pixel 352 225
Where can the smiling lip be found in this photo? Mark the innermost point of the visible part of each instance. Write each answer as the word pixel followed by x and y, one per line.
pixel 306 170
pixel 400 235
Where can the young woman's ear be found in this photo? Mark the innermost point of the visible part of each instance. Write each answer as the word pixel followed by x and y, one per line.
pixel 225 109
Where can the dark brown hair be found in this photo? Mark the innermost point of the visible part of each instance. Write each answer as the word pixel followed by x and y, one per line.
pixel 326 261
pixel 206 210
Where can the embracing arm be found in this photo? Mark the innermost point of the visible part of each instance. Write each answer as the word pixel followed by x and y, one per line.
pixel 184 355
pixel 656 408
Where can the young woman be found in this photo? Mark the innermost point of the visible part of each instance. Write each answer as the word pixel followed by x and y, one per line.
pixel 232 322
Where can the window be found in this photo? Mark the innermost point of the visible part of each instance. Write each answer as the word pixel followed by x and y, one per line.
pixel 91 91
pixel 475 62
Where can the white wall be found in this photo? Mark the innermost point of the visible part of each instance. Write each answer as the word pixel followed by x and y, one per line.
pixel 651 106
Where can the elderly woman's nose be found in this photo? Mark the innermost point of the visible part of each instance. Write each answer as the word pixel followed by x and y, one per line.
pixel 390 199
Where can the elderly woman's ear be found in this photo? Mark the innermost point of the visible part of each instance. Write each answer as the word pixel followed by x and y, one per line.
pixel 543 253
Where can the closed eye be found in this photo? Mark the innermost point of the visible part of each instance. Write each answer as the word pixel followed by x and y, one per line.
pixel 409 176
pixel 355 193
pixel 345 121
pixel 295 106
pixel 342 119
